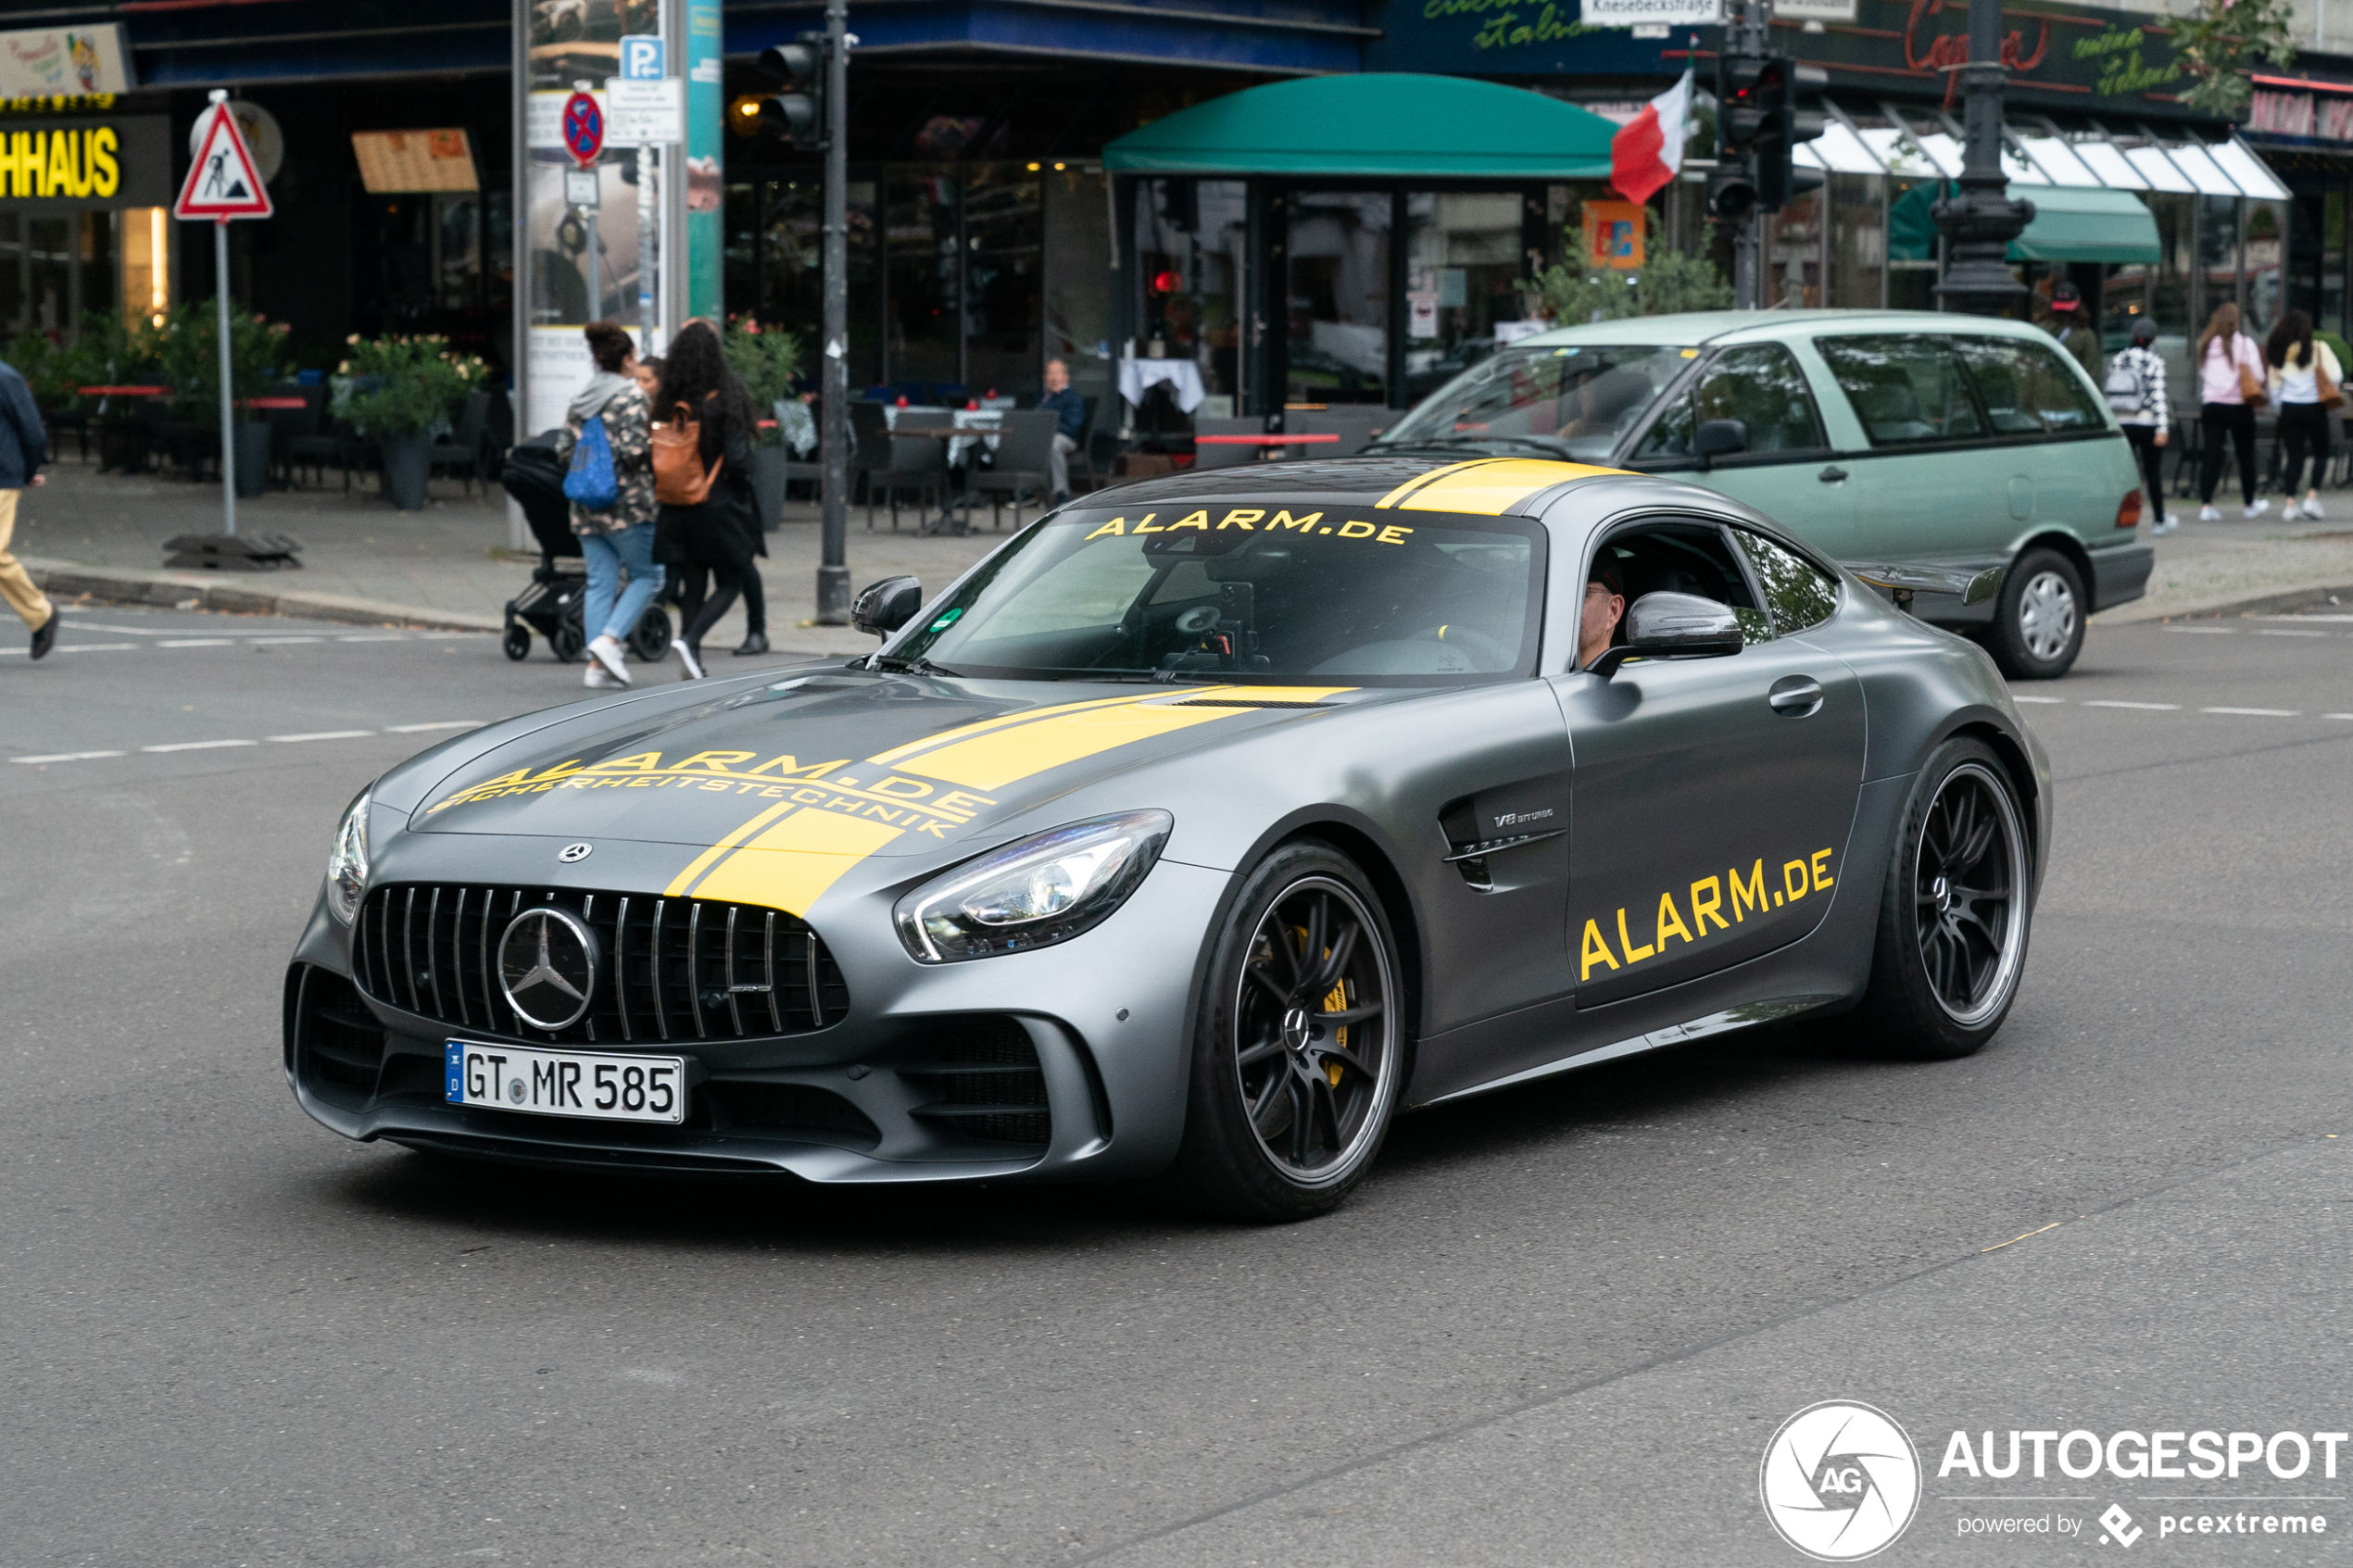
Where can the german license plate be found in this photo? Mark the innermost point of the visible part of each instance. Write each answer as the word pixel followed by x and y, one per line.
pixel 590 1084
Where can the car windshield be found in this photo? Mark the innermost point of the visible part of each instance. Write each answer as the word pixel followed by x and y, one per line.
pixel 1324 591
pixel 1574 402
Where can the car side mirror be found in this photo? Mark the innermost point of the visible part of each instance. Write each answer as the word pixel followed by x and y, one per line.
pixel 1673 626
pixel 883 607
pixel 1718 438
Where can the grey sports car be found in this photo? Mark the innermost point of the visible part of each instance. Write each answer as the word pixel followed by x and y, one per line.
pixel 1201 829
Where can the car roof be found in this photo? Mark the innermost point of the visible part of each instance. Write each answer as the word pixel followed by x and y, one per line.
pixel 1712 327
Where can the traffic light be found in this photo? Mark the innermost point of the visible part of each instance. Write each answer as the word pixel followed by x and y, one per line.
pixel 1742 97
pixel 1730 195
pixel 798 112
pixel 1759 118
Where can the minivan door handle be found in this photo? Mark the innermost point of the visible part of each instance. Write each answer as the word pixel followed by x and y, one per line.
pixel 1795 696
pixel 1832 475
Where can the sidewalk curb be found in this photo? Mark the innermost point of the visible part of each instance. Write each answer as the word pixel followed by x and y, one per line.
pixel 2271 601
pixel 243 595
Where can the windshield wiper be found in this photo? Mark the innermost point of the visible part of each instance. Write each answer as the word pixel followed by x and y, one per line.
pixel 918 665
pixel 1550 448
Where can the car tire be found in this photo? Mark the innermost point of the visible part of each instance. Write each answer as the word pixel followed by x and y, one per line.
pixel 2038 622
pixel 1955 914
pixel 1285 1111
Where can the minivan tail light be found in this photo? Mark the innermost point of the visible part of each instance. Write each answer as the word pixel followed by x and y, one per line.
pixel 2128 510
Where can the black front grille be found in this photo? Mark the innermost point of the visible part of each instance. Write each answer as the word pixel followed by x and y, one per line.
pixel 986 1083
pixel 667 969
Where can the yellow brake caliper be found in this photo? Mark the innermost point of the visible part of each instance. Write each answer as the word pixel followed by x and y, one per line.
pixel 1334 1000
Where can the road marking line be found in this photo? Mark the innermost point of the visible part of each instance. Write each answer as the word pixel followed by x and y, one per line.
pixel 2257 712
pixel 66 757
pixel 2014 698
pixel 196 643
pixel 2150 706
pixel 377 637
pixel 2276 632
pixel 2207 631
pixel 198 745
pixel 103 626
pixel 322 734
pixel 2340 619
pixel 2337 716
pixel 440 724
pixel 274 642
pixel 96 648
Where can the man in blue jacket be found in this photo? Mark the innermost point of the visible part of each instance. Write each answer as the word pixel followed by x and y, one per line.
pixel 24 445
pixel 1070 409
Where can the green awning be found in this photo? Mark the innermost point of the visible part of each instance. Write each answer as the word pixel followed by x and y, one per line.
pixel 2072 223
pixel 1376 125
pixel 2077 223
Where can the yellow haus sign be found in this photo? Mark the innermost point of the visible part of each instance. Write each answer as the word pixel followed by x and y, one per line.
pixel 55 165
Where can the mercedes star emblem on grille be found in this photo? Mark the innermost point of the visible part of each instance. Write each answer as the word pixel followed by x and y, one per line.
pixel 547 967
pixel 573 854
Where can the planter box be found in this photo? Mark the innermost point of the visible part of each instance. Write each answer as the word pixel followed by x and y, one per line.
pixel 408 461
pixel 768 485
pixel 253 459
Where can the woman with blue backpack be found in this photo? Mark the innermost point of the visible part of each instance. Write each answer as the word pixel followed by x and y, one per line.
pixel 611 485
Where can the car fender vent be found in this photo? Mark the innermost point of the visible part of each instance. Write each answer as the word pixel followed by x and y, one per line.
pixel 985 1082
pixel 339 1044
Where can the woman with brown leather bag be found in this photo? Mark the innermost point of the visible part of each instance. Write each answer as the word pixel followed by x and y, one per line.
pixel 702 476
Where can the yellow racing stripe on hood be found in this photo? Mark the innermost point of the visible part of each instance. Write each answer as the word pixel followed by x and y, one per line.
pixel 1486 489
pixel 701 863
pixel 790 866
pixel 991 761
pixel 982 726
pixel 1398 494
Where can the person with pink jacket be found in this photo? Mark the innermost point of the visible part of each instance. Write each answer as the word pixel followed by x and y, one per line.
pixel 2225 355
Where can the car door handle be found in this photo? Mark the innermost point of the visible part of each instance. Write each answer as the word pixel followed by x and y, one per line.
pixel 1832 475
pixel 1795 696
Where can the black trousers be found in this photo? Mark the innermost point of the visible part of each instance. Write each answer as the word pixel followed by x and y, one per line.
pixel 2236 421
pixel 2303 429
pixel 691 583
pixel 703 610
pixel 2152 460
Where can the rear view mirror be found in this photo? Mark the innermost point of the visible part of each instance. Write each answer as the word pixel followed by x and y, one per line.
pixel 883 607
pixel 1718 438
pixel 1673 626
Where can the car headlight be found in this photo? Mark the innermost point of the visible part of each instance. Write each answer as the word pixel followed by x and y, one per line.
pixel 1047 888
pixel 348 861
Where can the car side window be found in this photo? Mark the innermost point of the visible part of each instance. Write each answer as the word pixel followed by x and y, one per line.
pixel 2028 388
pixel 1798 593
pixel 1906 391
pixel 1683 558
pixel 1760 386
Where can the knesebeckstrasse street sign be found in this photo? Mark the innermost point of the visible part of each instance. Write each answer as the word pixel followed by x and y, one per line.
pixel 223 182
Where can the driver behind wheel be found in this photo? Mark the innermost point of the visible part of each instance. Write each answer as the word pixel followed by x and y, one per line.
pixel 1605 605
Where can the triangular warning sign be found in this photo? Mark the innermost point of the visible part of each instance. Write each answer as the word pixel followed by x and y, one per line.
pixel 222 183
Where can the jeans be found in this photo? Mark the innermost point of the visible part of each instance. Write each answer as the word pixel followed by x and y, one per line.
pixel 2304 430
pixel 2236 421
pixel 609 554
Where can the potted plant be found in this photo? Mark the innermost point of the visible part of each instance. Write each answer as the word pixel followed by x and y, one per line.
pixel 110 352
pixel 189 353
pixel 395 391
pixel 768 359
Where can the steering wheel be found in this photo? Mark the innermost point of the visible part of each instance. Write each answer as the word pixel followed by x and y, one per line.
pixel 1484 650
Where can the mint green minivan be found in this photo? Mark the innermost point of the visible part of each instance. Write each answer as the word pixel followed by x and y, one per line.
pixel 1880 435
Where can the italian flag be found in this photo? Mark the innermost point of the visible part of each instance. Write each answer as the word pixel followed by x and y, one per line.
pixel 1647 152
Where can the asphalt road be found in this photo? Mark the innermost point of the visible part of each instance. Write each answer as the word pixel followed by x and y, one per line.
pixel 1557 1325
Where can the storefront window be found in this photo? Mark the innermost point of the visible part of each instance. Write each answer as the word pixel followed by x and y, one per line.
pixel 1077 268
pixel 920 236
pixel 2331 315
pixel 1857 241
pixel 1337 290
pixel 1912 243
pixel 2161 288
pixel 1794 270
pixel 1463 271
pixel 1004 241
pixel 2217 252
pixel 2264 263
pixel 1191 248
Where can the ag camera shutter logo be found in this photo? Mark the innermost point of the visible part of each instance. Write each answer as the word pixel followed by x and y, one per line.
pixel 1840 1481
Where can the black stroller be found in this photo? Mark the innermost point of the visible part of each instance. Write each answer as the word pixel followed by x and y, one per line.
pixel 553 605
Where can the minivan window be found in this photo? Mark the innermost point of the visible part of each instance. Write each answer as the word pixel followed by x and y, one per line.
pixel 1758 385
pixel 1906 391
pixel 2028 388
pixel 1799 594
pixel 1574 402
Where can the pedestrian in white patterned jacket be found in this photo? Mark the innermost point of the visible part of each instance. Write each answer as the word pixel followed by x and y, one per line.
pixel 2136 390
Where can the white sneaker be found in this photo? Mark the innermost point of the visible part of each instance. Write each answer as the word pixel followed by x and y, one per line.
pixel 2159 529
pixel 597 677
pixel 686 656
pixel 606 652
pixel 2208 514
pixel 2261 507
pixel 2312 506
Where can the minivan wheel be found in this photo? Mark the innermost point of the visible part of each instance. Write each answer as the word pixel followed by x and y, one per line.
pixel 2038 626
pixel 1953 914
pixel 1300 1049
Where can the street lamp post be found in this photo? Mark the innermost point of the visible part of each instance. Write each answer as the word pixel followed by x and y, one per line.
pixel 1979 224
pixel 833 575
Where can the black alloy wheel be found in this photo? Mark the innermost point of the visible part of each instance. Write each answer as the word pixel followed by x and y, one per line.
pixel 2038 621
pixel 1954 916
pixel 1302 1045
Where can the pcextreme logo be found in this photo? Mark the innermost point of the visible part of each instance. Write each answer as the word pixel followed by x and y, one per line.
pixel 1840 1481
